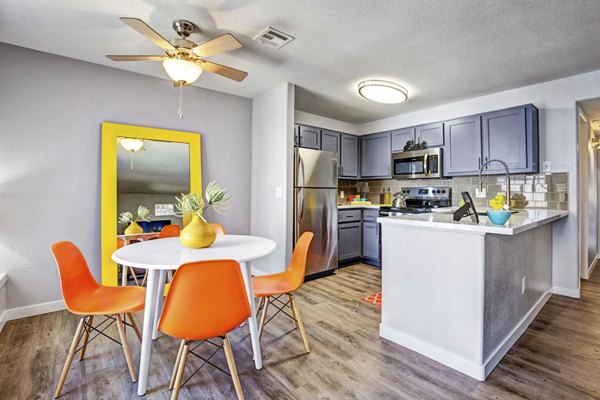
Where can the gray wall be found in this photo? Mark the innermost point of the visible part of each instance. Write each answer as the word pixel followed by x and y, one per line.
pixel 51 109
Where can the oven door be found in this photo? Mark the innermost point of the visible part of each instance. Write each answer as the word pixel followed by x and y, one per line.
pixel 417 164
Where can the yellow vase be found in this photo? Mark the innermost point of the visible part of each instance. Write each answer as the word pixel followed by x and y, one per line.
pixel 197 234
pixel 133 229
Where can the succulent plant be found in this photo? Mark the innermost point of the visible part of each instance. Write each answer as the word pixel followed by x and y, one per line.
pixel 192 203
pixel 143 214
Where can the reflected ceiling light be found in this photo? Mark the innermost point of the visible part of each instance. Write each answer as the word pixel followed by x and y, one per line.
pixel 132 145
pixel 382 91
pixel 182 71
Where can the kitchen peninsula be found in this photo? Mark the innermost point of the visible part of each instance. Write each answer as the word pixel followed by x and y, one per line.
pixel 462 293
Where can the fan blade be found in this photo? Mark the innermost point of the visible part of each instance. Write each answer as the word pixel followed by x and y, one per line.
pixel 222 70
pixel 217 45
pixel 148 32
pixel 136 58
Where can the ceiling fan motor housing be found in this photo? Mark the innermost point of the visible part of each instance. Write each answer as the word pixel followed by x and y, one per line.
pixel 184 28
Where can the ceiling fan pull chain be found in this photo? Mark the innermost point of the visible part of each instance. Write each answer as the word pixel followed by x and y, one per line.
pixel 131 158
pixel 180 99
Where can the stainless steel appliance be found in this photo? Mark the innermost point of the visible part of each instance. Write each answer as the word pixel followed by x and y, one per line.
pixel 417 164
pixel 315 207
pixel 420 200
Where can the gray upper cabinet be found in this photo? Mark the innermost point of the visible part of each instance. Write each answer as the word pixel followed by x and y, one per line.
pixel 309 137
pixel 348 156
pixel 462 152
pixel 400 137
pixel 330 141
pixel 376 156
pixel 511 136
pixel 433 134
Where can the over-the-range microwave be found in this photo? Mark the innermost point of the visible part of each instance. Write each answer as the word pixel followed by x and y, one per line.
pixel 417 164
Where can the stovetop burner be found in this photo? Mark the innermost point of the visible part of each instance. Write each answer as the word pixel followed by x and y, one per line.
pixel 420 200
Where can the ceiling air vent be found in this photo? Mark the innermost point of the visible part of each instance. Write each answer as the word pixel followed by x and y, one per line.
pixel 273 38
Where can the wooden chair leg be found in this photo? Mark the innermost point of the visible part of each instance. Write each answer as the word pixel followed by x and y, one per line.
pixel 263 318
pixel 65 371
pixel 176 367
pixel 300 324
pixel 135 279
pixel 293 313
pixel 180 369
pixel 125 345
pixel 170 275
pixel 144 278
pixel 261 302
pixel 135 327
pixel 86 336
pixel 232 368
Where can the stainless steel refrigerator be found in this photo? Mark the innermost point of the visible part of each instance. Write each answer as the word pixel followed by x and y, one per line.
pixel 315 206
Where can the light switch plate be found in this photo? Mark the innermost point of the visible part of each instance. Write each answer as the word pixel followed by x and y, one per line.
pixel 480 194
pixel 278 192
pixel 547 167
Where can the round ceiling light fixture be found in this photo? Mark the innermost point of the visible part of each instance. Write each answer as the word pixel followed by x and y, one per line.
pixel 382 91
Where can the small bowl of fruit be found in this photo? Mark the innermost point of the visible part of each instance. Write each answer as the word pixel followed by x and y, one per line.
pixel 500 212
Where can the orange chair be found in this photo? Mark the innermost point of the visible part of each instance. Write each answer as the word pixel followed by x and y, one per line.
pixel 218 228
pixel 168 231
pixel 207 299
pixel 85 297
pixel 271 287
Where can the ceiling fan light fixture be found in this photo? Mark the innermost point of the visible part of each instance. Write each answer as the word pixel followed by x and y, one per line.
pixel 382 91
pixel 182 70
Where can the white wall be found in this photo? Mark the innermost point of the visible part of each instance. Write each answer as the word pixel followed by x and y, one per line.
pixel 272 147
pixel 51 109
pixel 304 118
pixel 558 141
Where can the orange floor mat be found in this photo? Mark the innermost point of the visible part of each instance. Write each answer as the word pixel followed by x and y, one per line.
pixel 375 298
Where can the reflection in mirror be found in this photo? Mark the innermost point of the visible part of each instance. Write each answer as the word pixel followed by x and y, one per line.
pixel 151 173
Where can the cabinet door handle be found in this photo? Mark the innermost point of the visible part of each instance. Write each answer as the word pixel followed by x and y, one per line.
pixel 478 162
pixel 486 160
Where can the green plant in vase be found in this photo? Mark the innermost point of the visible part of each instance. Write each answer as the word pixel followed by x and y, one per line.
pixel 198 234
pixel 143 214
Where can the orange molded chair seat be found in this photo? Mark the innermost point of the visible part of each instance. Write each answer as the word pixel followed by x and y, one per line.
pixel 168 231
pixel 218 228
pixel 270 287
pixel 85 297
pixel 206 299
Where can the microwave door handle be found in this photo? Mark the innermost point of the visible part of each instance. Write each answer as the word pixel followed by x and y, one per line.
pixel 426 166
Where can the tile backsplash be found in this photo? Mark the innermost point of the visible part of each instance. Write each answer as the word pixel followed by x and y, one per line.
pixel 529 191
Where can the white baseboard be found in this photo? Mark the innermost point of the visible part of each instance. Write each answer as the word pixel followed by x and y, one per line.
pixel 508 342
pixel 575 293
pixel 2 320
pixel 468 367
pixel 36 309
pixel 591 268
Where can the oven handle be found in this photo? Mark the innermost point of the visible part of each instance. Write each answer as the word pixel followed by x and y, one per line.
pixel 426 166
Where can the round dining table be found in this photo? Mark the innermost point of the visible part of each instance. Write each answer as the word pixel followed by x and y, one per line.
pixel 161 255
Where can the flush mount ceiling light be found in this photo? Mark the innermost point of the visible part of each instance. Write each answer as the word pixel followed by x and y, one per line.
pixel 131 145
pixel 382 91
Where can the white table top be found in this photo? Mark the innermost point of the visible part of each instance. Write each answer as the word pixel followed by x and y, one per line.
pixel 170 253
pixel 519 222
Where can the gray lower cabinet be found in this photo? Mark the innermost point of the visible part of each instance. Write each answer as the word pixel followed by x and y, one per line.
pixel 348 156
pixel 309 137
pixel 330 141
pixel 349 240
pixel 370 237
pixel 376 156
pixel 462 152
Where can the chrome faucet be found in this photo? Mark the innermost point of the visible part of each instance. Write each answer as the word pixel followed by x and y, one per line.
pixel 507 205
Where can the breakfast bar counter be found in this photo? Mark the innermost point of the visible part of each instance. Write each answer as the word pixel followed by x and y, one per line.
pixel 462 293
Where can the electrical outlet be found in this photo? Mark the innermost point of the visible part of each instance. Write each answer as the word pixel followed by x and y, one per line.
pixel 547 167
pixel 524 285
pixel 480 194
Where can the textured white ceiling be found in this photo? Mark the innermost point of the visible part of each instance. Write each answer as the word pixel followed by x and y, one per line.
pixel 440 50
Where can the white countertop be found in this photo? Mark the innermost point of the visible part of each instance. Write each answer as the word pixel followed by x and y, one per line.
pixel 520 222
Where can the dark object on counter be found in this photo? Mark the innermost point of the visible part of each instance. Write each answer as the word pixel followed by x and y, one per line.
pixel 411 145
pixel 467 209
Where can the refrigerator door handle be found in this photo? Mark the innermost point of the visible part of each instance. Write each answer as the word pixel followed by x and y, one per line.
pixel 301 213
pixel 301 162
pixel 335 168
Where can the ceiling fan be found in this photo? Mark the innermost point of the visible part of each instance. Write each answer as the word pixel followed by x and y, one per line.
pixel 185 60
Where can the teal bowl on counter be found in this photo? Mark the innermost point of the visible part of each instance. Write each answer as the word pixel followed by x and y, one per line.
pixel 499 217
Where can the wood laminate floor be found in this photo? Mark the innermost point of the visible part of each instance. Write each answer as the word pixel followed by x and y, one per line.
pixel 558 357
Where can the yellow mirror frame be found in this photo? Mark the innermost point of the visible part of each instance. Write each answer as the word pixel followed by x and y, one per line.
pixel 108 215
